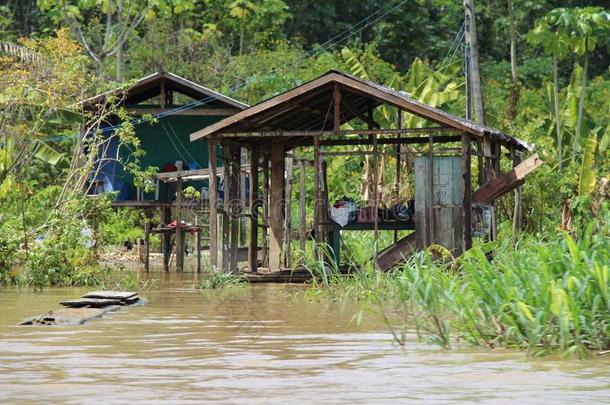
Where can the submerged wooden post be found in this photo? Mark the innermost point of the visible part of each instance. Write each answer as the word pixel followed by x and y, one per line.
pixel 147 245
pixel 466 192
pixel 253 240
pixel 198 249
pixel 276 217
pixel 213 204
pixel 179 235
pixel 226 206
pixel 302 207
pixel 166 238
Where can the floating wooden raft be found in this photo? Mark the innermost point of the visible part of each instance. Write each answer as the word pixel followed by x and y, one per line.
pixel 90 306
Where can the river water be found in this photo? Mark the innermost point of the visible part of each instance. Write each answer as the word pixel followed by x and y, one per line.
pixel 259 344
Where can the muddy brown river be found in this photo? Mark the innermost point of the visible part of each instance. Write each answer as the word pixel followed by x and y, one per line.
pixel 260 344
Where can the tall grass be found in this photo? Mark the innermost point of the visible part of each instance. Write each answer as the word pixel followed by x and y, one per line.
pixel 542 296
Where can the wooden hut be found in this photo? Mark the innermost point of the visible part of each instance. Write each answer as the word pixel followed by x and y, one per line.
pixel 179 106
pixel 314 116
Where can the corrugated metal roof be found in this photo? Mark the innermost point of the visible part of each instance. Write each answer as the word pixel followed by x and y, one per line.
pixel 308 107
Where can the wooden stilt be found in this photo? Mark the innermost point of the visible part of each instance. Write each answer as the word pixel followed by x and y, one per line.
pixel 265 230
pixel 302 207
pixel 253 241
pixel 288 211
pixel 317 162
pixel 213 205
pixel 226 207
pixel 466 192
pixel 179 234
pixel 147 245
pixel 242 197
pixel 376 195
pixel 198 249
pixel 166 238
pixel 276 217
pixel 236 205
pixel 398 163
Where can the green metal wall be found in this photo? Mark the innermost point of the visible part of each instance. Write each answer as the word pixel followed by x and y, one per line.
pixel 167 141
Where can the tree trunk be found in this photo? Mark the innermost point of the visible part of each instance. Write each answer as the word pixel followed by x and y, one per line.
pixel 557 117
pixel 475 72
pixel 581 106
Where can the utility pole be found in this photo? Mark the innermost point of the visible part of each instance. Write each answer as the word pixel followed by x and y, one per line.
pixel 474 73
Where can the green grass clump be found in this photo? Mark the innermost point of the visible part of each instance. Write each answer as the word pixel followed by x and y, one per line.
pixel 222 280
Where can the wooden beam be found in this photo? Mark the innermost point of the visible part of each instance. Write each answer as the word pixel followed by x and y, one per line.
pixel 276 217
pixel 213 204
pixel 253 240
pixel 516 155
pixel 207 112
pixel 147 245
pixel 466 192
pixel 337 109
pixel 166 217
pixel 279 134
pixel 508 182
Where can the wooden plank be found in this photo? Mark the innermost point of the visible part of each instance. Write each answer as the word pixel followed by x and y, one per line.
pixel 276 217
pixel 179 234
pixel 397 252
pixel 91 302
pixel 376 196
pixel 302 207
pixel 317 219
pixel 466 192
pixel 213 204
pixel 430 192
pixel 508 182
pixel 253 240
pixel 109 294
pixel 198 249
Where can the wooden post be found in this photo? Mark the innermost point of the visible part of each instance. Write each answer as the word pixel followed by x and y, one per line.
pixel 235 205
pixel 376 194
pixel 179 235
pixel 265 232
pixel 317 163
pixel 466 192
pixel 431 222
pixel 518 193
pixel 166 238
pixel 276 217
pixel 242 197
pixel 302 207
pixel 198 249
pixel 147 245
pixel 288 210
pixel 213 204
pixel 398 163
pixel 474 72
pixel 337 109
pixel 253 241
pixel 226 206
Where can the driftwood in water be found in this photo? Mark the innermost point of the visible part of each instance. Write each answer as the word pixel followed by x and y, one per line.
pixel 90 306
